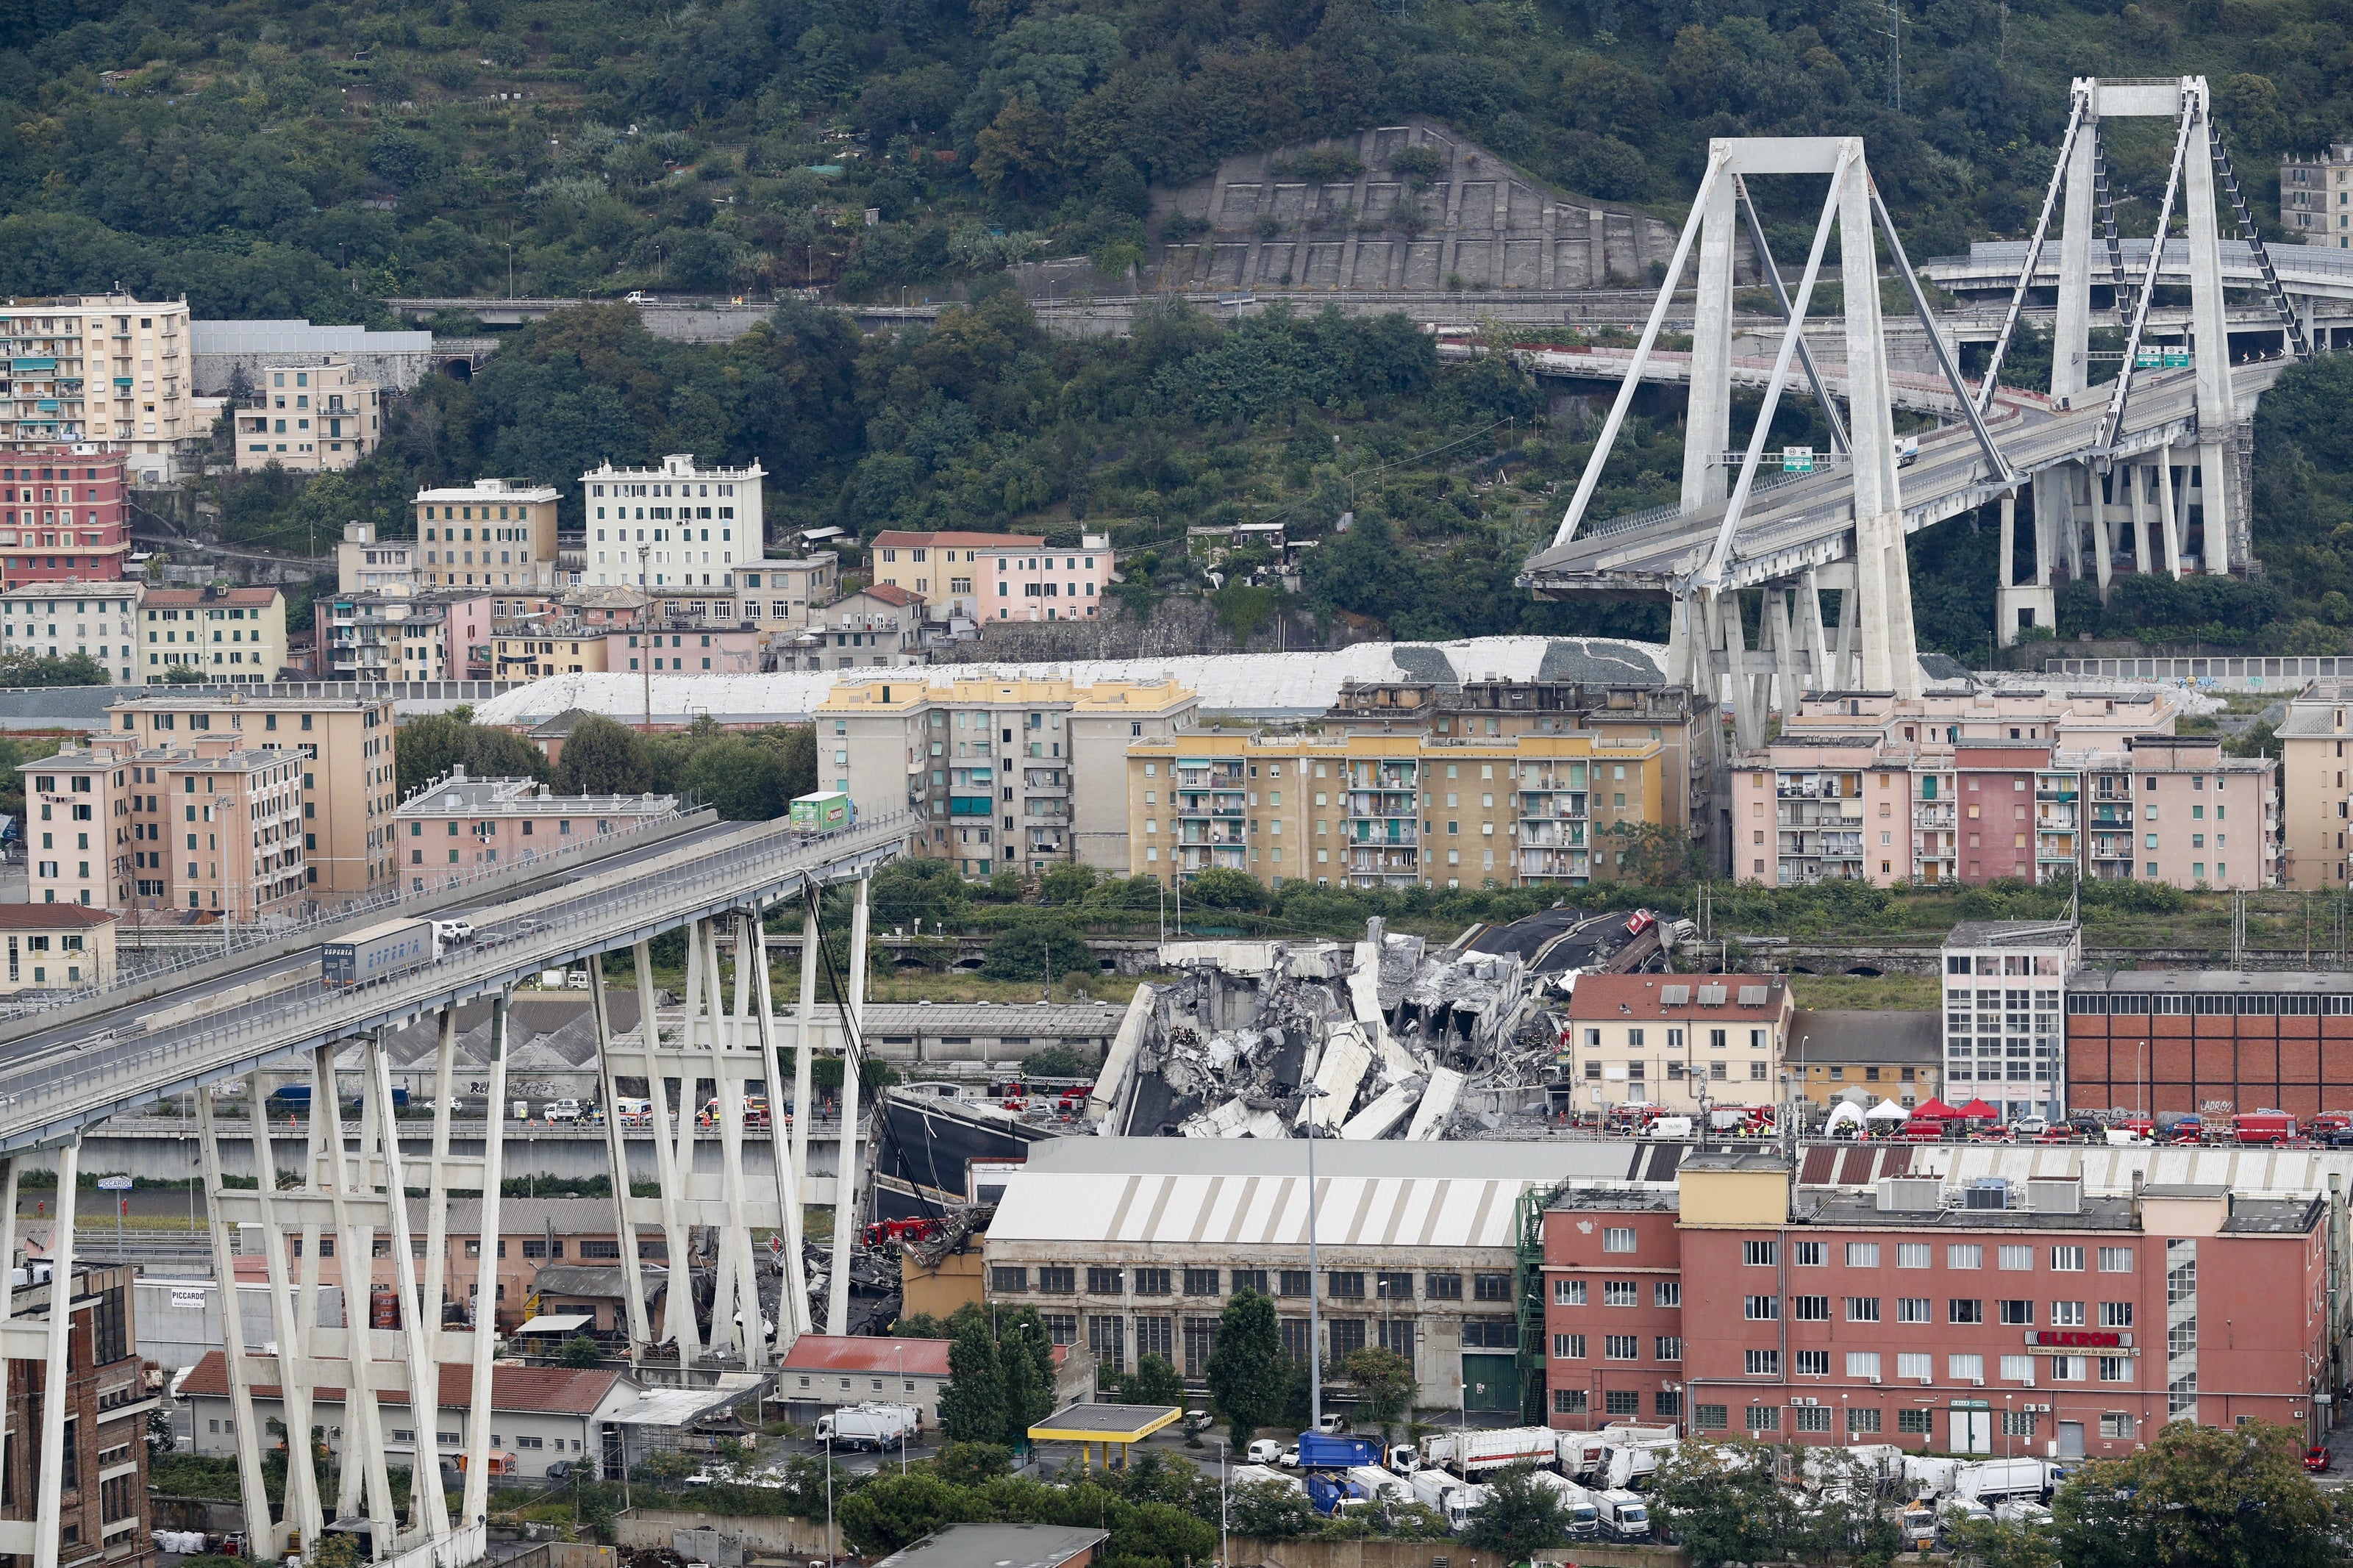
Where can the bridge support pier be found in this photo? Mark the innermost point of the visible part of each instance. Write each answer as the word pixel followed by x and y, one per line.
pixel 722 1036
pixel 357 1197
pixel 2166 516
pixel 2018 605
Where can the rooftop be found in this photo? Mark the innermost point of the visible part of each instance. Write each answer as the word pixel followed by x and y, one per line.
pixel 1117 1423
pixel 1835 1037
pixel 1673 996
pixel 2010 934
pixel 863 1353
pixel 1843 1208
pixel 675 465
pixel 493 490
pixel 895 538
pixel 180 598
pixel 53 916
pixel 997 1546
pixel 536 1390
pixel 2208 982
pixel 455 794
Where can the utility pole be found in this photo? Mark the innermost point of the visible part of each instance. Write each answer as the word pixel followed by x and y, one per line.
pixel 645 635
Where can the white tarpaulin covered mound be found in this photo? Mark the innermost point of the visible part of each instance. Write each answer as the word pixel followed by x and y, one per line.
pixel 1257 685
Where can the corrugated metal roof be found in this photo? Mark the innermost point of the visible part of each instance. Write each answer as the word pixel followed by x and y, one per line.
pixel 291 336
pixel 2260 1170
pixel 860 1352
pixel 1086 1021
pixel 1240 1193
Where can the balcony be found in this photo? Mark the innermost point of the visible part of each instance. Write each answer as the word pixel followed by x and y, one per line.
pixel 1539 835
pixel 1560 804
pixel 1932 814
pixel 1576 864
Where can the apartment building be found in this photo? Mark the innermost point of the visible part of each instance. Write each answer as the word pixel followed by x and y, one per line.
pixel 1370 810
pixel 364 562
pixel 1869 789
pixel 994 576
pixel 226 637
pixel 454 825
pixel 878 627
pixel 106 370
pixel 2315 801
pixel 2316 196
pixel 2004 981
pixel 57 946
pixel 61 515
pixel 782 593
pixel 78 815
pixel 221 827
pixel 492 533
pixel 2027 1318
pixel 102 1508
pixel 531 649
pixel 679 525
pixel 310 419
pixel 1682 1043
pixel 688 646
pixel 348 796
pixel 402 633
pixel 58 620
pixel 1020 774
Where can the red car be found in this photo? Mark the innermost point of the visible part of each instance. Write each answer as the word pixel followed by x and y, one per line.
pixel 2316 1459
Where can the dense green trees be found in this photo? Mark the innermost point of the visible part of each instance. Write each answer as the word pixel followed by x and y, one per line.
pixel 2202 1496
pixel 1247 1369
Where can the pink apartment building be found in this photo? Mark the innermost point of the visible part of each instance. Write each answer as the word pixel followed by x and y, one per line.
pixel 2027 786
pixel 457 825
pixel 995 576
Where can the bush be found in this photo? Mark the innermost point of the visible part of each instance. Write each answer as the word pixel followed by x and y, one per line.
pixel 1034 950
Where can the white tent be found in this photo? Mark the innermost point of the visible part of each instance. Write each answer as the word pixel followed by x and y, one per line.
pixel 1845 1114
pixel 1887 1110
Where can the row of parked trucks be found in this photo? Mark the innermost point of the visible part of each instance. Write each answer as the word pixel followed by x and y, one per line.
pixel 1601 1477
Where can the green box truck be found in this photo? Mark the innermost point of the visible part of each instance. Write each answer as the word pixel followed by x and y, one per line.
pixel 821 811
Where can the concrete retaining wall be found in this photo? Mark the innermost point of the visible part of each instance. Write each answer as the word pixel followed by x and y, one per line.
pixel 760 1535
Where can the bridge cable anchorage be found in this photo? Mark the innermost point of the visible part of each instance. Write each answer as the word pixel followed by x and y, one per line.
pixel 2075 124
pixel 1839 442
pixel 1591 477
pixel 2002 472
pixel 1711 577
pixel 2292 327
pixel 2106 201
pixel 2113 425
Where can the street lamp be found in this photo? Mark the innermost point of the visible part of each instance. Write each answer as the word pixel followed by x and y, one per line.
pixel 1224 1555
pixel 1311 1093
pixel 829 1499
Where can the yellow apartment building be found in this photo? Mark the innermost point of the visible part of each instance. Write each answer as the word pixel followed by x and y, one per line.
pixel 1392 810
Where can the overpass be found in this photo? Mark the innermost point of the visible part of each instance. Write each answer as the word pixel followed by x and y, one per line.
pixel 67 1071
pixel 2150 466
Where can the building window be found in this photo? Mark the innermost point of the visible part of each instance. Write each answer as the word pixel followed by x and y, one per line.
pixel 1960 1309
pixel 1442 1286
pixel 1621 1402
pixel 1763 1308
pixel 1757 1254
pixel 1568 1292
pixel 1764 1417
pixel 1810 1309
pixel 1864 1421
pixel 1762 1363
pixel 1617 1238
pixel 1295 1282
pixel 1056 1279
pixel 1104 1281
pixel 1568 1402
pixel 2116 1427
pixel 1669 1347
pixel 1347 1286
pixel 1667 1293
pixel 1861 1309
pixel 1619 1292
pixel 1151 1282
pixel 1200 1281
pixel 1914 1423
pixel 1862 1254
pixel 1621 1347
pixel 2115 1259
pixel 1569 1347
pixel 1490 1287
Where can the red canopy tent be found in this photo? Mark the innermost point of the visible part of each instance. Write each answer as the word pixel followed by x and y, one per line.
pixel 1936 1109
pixel 1978 1110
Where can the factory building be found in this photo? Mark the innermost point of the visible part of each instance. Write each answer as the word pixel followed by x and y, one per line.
pixel 2049 1317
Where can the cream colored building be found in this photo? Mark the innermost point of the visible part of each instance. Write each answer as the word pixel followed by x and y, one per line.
pixel 1021 775
pixel 348 787
pixel 1370 810
pixel 681 525
pixel 234 636
pixel 101 368
pixel 78 838
pixel 2316 802
pixel 58 620
pixel 492 533
pixel 363 562
pixel 308 419
pixel 56 947
pixel 2317 197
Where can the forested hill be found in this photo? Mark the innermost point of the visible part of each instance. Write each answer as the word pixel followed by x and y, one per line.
pixel 279 157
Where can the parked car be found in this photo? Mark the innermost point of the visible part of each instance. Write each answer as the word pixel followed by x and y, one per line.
pixel 1265 1451
pixel 2317 1458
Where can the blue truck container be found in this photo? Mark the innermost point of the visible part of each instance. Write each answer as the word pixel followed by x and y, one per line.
pixel 1331 1451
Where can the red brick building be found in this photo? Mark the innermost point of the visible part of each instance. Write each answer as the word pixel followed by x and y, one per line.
pixel 102 1516
pixel 2055 1323
pixel 61 516
pixel 2212 1041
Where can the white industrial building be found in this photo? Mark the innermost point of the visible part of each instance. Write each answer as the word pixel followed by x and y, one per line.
pixel 678 525
pixel 1131 1246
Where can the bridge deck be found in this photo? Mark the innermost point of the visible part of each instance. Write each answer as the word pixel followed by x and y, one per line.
pixel 1807 520
pixel 56 1081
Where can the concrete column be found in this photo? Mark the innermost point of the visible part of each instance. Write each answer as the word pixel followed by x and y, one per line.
pixel 2168 518
pixel 416 1335
pixel 1707 427
pixel 617 1150
pixel 1890 660
pixel 363 1472
pixel 2099 528
pixel 57 1368
pixel 845 1181
pixel 2072 336
pixel 250 1446
pixel 2217 407
pixel 735 1238
pixel 1784 649
pixel 792 1285
pixel 477 1496
pixel 678 1308
pixel 805 1047
pixel 2144 550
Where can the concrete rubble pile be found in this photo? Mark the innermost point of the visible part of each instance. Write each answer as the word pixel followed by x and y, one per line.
pixel 1380 1038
